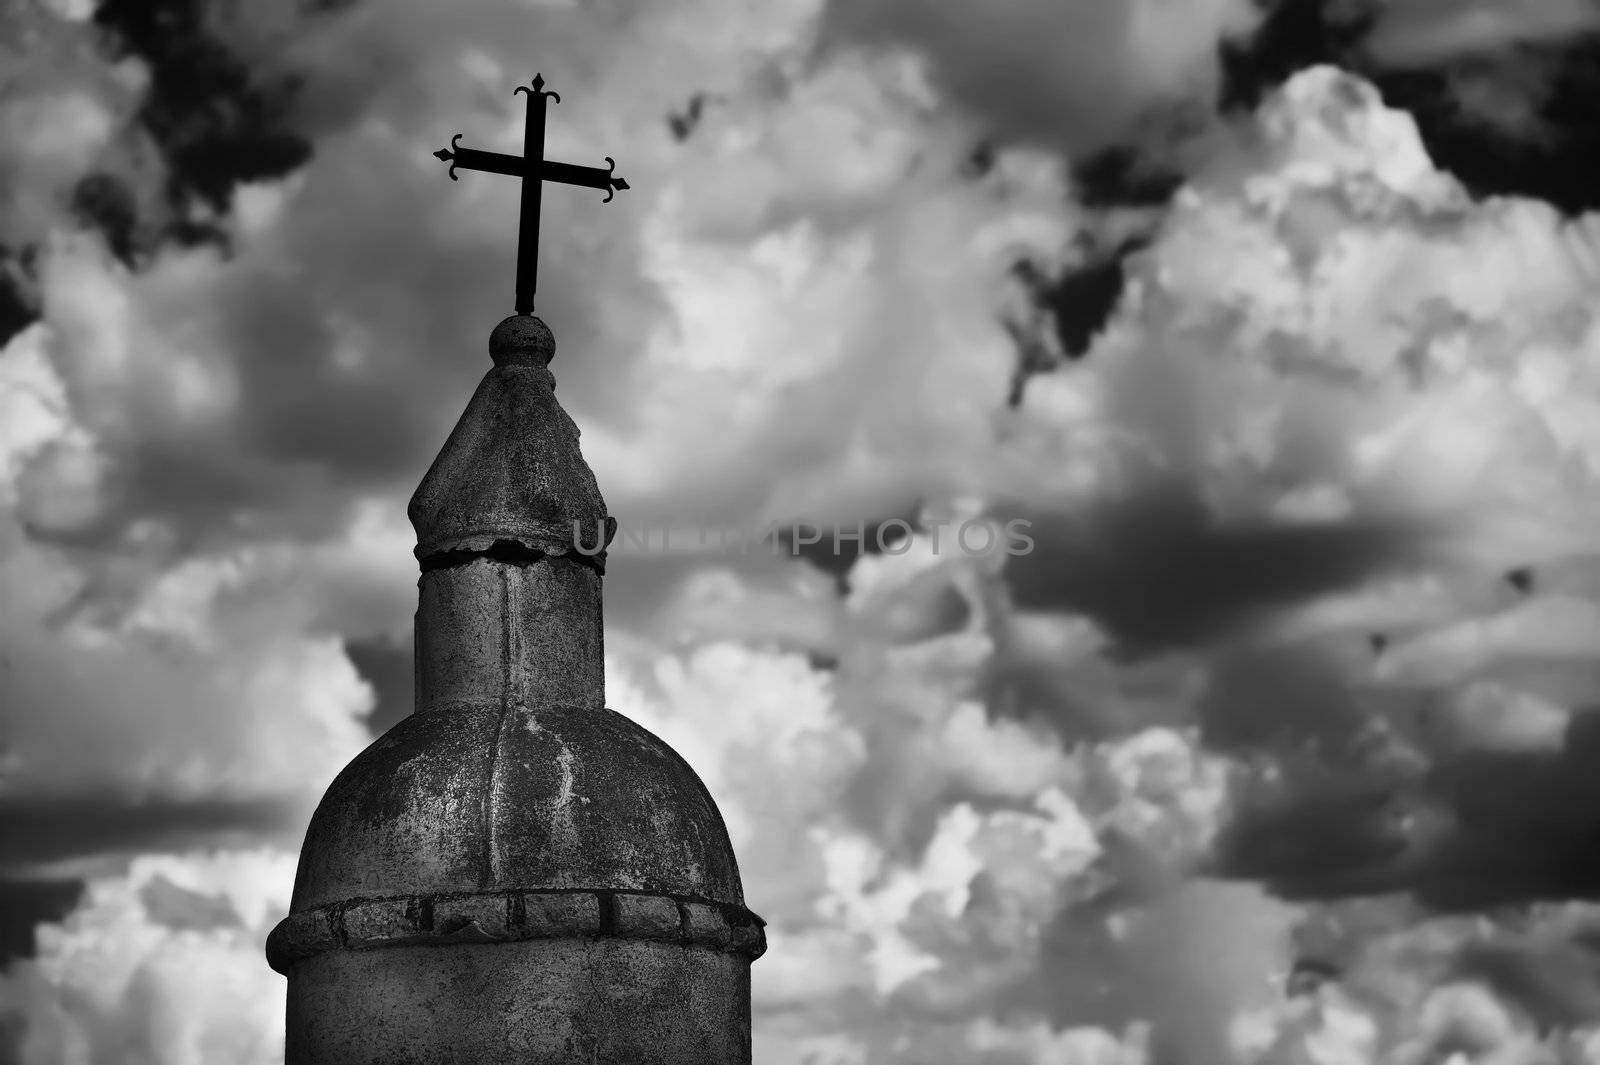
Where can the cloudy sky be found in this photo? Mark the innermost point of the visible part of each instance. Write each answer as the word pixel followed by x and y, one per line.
pixel 1274 324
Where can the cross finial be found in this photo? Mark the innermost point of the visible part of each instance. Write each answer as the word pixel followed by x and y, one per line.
pixel 534 170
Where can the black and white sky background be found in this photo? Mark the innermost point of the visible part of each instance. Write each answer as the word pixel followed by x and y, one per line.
pixel 1278 321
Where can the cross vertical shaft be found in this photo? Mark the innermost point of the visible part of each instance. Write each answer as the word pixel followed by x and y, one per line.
pixel 532 189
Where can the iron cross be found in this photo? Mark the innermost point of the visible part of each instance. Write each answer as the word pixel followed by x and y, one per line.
pixel 534 170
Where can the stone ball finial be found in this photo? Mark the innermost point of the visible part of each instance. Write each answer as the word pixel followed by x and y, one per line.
pixel 522 340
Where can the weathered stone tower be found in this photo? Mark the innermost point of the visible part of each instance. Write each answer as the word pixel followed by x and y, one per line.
pixel 514 873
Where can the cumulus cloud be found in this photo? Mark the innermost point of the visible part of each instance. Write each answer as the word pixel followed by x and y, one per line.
pixel 162 963
pixel 213 691
pixel 1340 362
pixel 922 851
pixel 1500 88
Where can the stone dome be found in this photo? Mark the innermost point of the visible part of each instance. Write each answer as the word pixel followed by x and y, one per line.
pixel 480 800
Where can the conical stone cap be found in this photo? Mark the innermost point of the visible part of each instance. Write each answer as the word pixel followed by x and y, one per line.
pixel 511 472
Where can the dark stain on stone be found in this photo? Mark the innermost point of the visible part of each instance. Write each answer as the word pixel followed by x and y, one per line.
pixel 608 912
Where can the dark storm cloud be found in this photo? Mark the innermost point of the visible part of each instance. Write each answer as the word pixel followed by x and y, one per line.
pixel 836 555
pixel 185 910
pixel 1334 837
pixel 1158 572
pixel 1265 697
pixel 388 666
pixel 1475 831
pixel 217 123
pixel 42 829
pixel 26 904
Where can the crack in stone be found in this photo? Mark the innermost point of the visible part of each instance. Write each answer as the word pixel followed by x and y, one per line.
pixel 509 552
pixel 491 842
